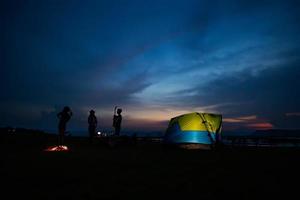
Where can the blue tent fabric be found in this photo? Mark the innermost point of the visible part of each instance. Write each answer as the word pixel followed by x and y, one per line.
pixel 177 135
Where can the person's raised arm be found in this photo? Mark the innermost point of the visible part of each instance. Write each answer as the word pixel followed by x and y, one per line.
pixel 115 110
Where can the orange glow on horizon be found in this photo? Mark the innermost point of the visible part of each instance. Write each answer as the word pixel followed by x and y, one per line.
pixel 261 126
pixel 240 119
pixel 251 121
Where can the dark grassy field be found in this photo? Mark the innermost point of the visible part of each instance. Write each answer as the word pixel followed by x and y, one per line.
pixel 145 171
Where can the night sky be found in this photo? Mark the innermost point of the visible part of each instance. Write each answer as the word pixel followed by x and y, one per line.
pixel 155 59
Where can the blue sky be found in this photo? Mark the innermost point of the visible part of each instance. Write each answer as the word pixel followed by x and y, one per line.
pixel 155 59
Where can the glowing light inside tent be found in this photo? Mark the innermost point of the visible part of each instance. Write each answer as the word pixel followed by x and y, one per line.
pixel 194 128
pixel 57 148
pixel 99 133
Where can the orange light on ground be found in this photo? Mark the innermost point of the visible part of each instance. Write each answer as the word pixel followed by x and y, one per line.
pixel 57 148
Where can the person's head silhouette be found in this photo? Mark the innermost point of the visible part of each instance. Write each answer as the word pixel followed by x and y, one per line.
pixel 119 111
pixel 92 112
pixel 66 109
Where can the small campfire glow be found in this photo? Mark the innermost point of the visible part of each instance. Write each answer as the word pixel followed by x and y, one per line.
pixel 57 148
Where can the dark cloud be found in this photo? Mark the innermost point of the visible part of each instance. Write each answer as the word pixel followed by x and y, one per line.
pixel 271 94
pixel 238 57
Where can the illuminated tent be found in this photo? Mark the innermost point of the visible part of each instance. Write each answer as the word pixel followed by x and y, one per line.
pixel 194 130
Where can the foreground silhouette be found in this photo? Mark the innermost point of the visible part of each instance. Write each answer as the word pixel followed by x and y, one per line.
pixel 128 173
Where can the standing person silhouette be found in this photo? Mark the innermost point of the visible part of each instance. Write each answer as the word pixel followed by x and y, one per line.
pixel 64 116
pixel 117 120
pixel 92 120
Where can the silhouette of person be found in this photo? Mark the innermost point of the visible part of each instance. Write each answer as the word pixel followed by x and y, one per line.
pixel 117 120
pixel 64 116
pixel 92 120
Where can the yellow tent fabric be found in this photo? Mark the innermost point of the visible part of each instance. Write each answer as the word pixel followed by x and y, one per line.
pixel 196 122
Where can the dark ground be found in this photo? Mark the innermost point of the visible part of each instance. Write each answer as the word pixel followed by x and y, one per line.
pixel 145 171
